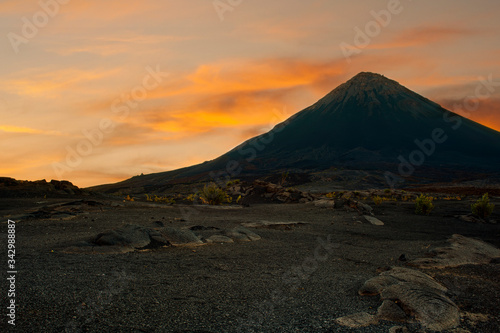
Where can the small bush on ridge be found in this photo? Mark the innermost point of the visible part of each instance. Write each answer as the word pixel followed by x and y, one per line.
pixel 424 205
pixel 482 207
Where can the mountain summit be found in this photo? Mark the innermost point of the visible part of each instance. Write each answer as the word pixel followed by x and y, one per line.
pixel 368 123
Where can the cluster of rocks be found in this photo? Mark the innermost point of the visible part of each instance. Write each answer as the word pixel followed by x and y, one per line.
pixel 460 251
pixel 10 187
pixel 264 192
pixel 133 237
pixel 62 211
pixel 411 296
pixel 475 219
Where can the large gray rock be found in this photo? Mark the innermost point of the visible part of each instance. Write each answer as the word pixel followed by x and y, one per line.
pixel 462 251
pixel 130 235
pixel 242 234
pixel 273 225
pixel 179 237
pixel 373 220
pixel 416 294
pixel 219 239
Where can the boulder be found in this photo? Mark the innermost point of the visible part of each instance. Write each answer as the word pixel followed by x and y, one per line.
pixel 273 225
pixel 324 203
pixel 219 239
pixel 179 237
pixel 461 251
pixel 242 234
pixel 373 220
pixel 415 294
pixel 129 235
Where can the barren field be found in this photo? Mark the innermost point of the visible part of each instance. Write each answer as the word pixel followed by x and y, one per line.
pixel 296 278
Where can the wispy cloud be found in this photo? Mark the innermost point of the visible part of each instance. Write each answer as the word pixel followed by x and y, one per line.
pixel 27 130
pixel 424 36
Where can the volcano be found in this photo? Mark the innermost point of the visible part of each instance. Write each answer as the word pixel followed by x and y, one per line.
pixel 368 123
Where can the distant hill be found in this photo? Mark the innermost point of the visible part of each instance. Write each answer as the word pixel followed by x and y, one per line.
pixel 369 123
pixel 12 188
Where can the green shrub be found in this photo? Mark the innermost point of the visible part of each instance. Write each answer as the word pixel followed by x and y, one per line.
pixel 213 195
pixel 423 205
pixel 377 200
pixel 232 182
pixel 482 207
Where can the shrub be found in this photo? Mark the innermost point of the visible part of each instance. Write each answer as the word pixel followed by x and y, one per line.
pixel 423 205
pixel 213 195
pixel 129 198
pixel 284 176
pixel 482 207
pixel 193 197
pixel 166 200
pixel 232 182
pixel 377 200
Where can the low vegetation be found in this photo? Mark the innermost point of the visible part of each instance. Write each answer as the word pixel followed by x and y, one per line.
pixel 156 198
pixel 424 205
pixel 482 207
pixel 232 182
pixel 212 194
pixel 377 200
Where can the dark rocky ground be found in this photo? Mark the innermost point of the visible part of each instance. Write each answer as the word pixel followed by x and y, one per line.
pixel 276 284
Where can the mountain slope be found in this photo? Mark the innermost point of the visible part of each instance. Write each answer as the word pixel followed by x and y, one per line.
pixel 368 123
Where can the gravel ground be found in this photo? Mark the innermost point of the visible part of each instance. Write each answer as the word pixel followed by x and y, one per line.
pixel 289 281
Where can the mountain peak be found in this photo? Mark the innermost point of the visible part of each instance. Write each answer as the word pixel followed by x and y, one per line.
pixel 369 80
pixel 366 88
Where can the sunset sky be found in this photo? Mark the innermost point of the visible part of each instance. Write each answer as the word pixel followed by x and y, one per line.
pixel 98 91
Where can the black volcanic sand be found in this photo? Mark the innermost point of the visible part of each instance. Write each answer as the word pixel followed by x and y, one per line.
pixel 240 286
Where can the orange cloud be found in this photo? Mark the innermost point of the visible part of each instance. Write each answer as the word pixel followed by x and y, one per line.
pixel 114 44
pixel 26 130
pixel 49 83
pixel 423 36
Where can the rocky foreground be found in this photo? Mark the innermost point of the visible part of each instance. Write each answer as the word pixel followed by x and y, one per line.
pixel 315 263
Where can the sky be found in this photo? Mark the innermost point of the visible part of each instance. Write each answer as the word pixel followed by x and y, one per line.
pixel 99 91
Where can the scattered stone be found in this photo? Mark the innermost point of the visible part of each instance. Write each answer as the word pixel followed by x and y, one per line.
pixel 462 251
pixel 219 239
pixel 417 294
pixel 475 318
pixel 391 311
pixel 471 218
pixel 242 234
pixel 264 192
pixel 273 225
pixel 202 228
pixel 113 249
pixel 179 237
pixel 356 320
pixel 129 235
pixel 324 203
pixel 398 329
pixel 430 307
pixel 373 220
pixel 364 208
